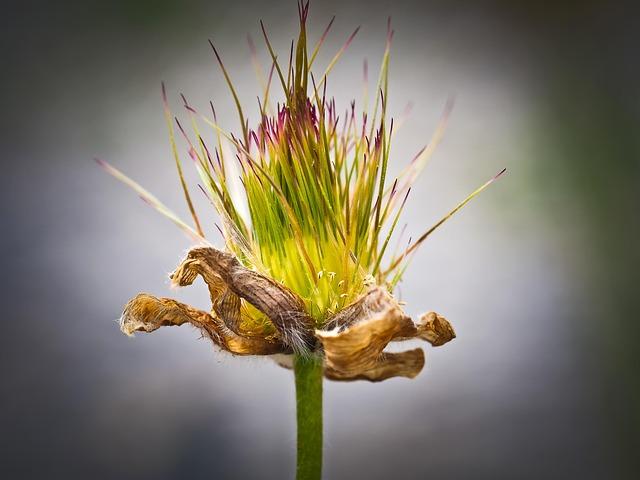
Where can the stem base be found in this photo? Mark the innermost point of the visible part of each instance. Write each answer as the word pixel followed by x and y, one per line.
pixel 308 376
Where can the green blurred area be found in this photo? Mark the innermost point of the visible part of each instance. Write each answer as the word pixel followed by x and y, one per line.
pixel 590 174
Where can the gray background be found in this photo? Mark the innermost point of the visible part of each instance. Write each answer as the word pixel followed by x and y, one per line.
pixel 538 275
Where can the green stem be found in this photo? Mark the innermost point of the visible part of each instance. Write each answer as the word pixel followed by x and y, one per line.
pixel 308 373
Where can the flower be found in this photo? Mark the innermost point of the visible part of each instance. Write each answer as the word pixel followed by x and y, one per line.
pixel 352 341
pixel 307 270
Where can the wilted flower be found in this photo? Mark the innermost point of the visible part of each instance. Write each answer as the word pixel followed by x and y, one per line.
pixel 307 273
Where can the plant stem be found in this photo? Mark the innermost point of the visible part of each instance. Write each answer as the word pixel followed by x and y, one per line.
pixel 308 374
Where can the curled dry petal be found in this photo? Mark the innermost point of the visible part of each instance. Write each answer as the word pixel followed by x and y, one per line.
pixel 146 313
pixel 224 303
pixel 405 364
pixel 228 281
pixel 357 348
pixel 354 347
pixel 409 363
pixel 435 329
pixel 375 300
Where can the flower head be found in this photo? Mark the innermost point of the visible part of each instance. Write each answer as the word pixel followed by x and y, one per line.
pixel 309 269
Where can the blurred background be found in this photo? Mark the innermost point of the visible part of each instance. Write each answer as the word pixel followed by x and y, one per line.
pixel 539 275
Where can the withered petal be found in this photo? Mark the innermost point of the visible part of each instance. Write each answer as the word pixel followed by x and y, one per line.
pixel 227 309
pixel 376 300
pixel 146 313
pixel 435 329
pixel 223 271
pixel 188 270
pixel 357 348
pixel 354 345
pixel 403 364
pixel 224 303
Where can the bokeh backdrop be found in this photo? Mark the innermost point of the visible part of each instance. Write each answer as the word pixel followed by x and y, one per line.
pixel 539 275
